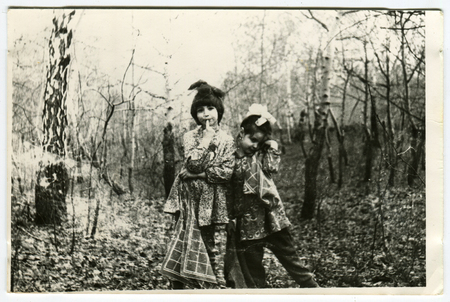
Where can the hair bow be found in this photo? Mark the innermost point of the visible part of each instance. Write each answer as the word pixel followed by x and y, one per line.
pixel 258 109
pixel 205 89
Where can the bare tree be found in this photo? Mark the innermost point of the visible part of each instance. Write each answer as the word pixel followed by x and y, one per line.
pixel 384 66
pixel 320 125
pixel 411 62
pixel 168 140
pixel 343 158
pixel 370 122
pixel 417 132
pixel 132 116
pixel 53 179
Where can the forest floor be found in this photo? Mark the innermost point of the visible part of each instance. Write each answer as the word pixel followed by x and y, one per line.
pixel 361 236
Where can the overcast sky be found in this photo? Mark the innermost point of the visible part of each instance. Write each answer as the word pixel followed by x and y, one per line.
pixel 199 41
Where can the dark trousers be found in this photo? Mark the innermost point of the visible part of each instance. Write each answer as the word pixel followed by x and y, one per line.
pixel 251 252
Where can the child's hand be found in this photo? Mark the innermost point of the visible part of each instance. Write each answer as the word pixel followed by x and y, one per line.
pixel 272 144
pixel 185 174
pixel 208 134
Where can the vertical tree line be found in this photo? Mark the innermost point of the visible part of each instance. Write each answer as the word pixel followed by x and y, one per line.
pixel 313 88
pixel 382 54
pixel 53 180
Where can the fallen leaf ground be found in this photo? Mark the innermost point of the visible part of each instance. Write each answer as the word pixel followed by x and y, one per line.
pixel 362 236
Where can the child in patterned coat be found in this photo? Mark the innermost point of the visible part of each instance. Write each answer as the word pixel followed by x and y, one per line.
pixel 260 216
pixel 198 196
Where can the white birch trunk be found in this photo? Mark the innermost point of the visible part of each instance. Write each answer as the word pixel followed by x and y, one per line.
pixel 132 134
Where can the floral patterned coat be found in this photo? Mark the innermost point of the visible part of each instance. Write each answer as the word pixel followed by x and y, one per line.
pixel 217 161
pixel 257 207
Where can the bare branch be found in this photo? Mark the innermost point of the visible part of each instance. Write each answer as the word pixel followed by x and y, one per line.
pixel 405 28
pixel 415 67
pixel 349 12
pixel 153 95
pixel 317 20
pixel 149 69
pixel 104 97
pixel 25 113
pixel 125 74
pixel 399 154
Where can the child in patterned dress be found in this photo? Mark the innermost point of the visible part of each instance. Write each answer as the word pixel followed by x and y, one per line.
pixel 198 196
pixel 260 216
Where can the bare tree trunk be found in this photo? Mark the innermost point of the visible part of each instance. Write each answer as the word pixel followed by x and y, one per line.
pixel 370 120
pixel 303 128
pixel 312 165
pixel 391 163
pixel 280 135
pixel 132 151
pixel 72 247
pixel 314 82
pixel 368 137
pixel 168 141
pixel 372 142
pixel 289 102
pixel 401 24
pixel 413 165
pixel 329 158
pixel 123 139
pixel 390 131
pixel 261 79
pixel 342 151
pixel 373 121
pixel 89 199
pixel 368 151
pixel 95 222
pixel 53 178
pixel 417 143
pixel 320 128
pixel 312 101
pixel 169 158
pixel 342 159
pixel 104 174
pixel 132 135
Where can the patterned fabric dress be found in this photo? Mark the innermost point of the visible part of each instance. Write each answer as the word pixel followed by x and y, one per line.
pixel 262 221
pixel 258 206
pixel 202 205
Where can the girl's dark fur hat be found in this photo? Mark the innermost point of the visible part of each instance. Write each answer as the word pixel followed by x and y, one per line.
pixel 207 95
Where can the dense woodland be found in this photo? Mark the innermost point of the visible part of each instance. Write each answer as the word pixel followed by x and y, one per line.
pixel 94 152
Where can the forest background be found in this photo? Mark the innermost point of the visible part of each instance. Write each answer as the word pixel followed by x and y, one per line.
pixel 108 216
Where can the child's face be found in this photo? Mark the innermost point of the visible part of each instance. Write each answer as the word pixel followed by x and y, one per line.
pixel 250 143
pixel 207 113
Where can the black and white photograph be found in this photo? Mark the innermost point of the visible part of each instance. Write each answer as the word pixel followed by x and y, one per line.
pixel 224 150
